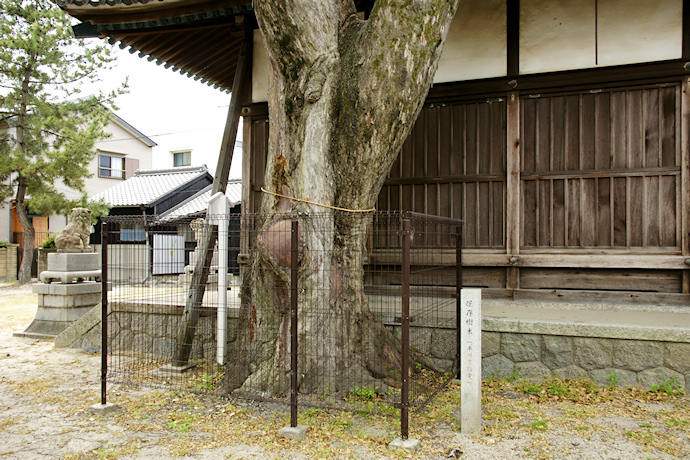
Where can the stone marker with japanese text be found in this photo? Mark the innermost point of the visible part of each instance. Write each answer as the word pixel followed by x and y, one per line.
pixel 471 361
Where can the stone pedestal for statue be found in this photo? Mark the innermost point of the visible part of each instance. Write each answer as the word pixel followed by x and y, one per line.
pixel 62 303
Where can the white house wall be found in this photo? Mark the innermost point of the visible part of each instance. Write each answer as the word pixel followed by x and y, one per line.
pixel 554 36
pixel 122 143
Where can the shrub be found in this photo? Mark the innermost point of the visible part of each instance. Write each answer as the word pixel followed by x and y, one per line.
pixel 49 243
pixel 3 244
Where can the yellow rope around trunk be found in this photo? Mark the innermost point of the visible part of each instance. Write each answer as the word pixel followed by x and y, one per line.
pixel 317 204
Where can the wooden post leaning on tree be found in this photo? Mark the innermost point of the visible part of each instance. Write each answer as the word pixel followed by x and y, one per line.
pixel 197 287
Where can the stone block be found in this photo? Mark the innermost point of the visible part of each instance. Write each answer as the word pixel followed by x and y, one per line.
pixel 87 287
pixel 497 366
pixel 491 343
pixel 94 336
pixel 294 432
pixel 446 365
pixel 521 347
pixel 141 343
pixel 104 408
pixel 407 444
pixel 603 377
pixel 443 343
pixel 637 355
pixel 62 314
pixel 80 328
pixel 420 339
pixel 140 322
pixel 157 325
pixel 557 351
pixel 163 347
pixel 677 357
pixel 661 376
pixel 534 371
pixel 593 353
pixel 124 318
pixel 89 347
pixel 123 342
pixel 68 301
pixel 73 261
pixel 572 372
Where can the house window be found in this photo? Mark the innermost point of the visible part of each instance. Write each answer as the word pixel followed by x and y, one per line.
pixel 111 166
pixel 182 158
pixel 130 231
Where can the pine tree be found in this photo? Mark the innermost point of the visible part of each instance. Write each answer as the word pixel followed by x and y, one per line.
pixel 48 128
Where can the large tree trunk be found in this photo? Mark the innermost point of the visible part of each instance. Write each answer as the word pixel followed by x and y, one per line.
pixel 344 94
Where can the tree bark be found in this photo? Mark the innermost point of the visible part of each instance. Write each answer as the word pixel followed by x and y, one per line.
pixel 344 94
pixel 24 275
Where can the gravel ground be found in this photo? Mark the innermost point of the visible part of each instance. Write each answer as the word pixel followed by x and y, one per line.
pixel 45 394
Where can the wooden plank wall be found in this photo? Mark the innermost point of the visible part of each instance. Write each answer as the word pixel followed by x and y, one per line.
pixel 454 165
pixel 569 192
pixel 601 169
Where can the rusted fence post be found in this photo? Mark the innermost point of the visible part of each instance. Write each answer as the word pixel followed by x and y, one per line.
pixel 458 291
pixel 294 249
pixel 405 331
pixel 104 311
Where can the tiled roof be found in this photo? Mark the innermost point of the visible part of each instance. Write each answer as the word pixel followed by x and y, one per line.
pixel 198 203
pixel 150 185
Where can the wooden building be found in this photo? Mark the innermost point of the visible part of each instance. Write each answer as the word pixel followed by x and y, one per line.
pixel 559 132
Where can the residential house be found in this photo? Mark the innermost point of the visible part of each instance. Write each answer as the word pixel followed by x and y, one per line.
pixel 118 157
pixel 148 248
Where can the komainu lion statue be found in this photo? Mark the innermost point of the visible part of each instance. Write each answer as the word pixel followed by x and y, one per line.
pixel 76 234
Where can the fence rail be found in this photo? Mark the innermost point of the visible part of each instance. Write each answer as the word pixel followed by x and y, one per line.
pixel 310 318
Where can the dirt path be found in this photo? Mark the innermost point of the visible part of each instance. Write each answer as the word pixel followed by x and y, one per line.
pixel 45 394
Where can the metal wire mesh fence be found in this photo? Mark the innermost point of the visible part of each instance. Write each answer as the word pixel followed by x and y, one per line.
pixel 354 311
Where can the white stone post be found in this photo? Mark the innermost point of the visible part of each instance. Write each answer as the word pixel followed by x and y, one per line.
pixel 471 361
pixel 219 213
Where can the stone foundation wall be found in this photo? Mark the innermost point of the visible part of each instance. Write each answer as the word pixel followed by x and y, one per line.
pixel 533 356
pixel 536 357
pixel 625 361
pixel 155 334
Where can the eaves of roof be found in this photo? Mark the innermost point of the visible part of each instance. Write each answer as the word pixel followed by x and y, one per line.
pixel 198 203
pixel 149 187
pixel 133 131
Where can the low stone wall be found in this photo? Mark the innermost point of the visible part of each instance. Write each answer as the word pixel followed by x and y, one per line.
pixel 605 361
pixel 568 353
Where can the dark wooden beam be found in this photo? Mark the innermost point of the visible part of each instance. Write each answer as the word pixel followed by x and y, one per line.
pixel 513 37
pixel 686 29
pixel 602 77
pixel 197 287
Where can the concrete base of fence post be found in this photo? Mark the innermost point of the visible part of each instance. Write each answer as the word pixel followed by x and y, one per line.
pixel 104 408
pixel 407 444
pixel 170 369
pixel 294 432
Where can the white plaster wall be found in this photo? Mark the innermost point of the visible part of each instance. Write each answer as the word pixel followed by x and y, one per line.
pixel 476 44
pixel 583 33
pixel 121 142
pixel 640 31
pixel 259 69
pixel 556 35
pixel 5 219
